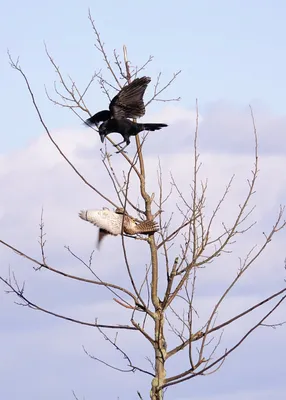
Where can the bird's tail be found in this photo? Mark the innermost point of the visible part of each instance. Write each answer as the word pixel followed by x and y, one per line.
pixel 146 227
pixel 152 126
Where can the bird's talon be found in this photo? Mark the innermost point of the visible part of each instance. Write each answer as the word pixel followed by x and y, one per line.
pixel 121 151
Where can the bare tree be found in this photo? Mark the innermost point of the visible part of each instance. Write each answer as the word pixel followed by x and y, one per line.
pixel 160 307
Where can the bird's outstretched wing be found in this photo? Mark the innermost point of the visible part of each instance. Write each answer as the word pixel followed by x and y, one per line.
pixel 128 103
pixel 101 234
pixel 106 220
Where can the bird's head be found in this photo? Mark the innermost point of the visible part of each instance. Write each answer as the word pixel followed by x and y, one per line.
pixel 120 210
pixel 102 132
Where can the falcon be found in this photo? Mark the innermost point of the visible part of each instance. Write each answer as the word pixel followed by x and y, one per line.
pixel 110 223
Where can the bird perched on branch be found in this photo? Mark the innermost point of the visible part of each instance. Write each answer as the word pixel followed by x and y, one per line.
pixel 110 223
pixel 126 128
pixel 128 103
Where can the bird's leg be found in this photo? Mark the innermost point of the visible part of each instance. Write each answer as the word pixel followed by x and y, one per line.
pixel 137 237
pixel 121 150
pixel 119 143
pixel 126 139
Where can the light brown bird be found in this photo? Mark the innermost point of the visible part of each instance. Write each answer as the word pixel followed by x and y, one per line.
pixel 110 223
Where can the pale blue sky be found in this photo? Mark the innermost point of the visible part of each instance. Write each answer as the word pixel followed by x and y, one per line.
pixel 229 50
pixel 231 53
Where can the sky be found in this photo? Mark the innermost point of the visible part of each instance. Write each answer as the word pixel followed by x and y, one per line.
pixel 231 55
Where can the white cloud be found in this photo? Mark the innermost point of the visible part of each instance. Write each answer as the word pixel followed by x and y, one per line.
pixel 173 114
pixel 246 395
pixel 38 176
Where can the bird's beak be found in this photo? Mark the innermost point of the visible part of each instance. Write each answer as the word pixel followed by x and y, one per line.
pixel 102 138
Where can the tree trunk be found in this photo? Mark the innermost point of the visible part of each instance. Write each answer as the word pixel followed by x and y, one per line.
pixel 160 357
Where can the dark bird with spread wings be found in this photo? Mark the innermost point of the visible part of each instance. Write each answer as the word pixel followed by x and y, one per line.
pixel 110 223
pixel 126 128
pixel 128 103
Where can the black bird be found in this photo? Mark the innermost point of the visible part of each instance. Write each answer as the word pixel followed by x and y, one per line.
pixel 126 128
pixel 128 103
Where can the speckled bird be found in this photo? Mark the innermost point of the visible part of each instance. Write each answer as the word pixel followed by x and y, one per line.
pixel 110 223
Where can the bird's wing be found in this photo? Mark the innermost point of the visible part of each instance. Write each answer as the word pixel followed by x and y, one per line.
pixel 106 220
pixel 101 234
pixel 128 103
